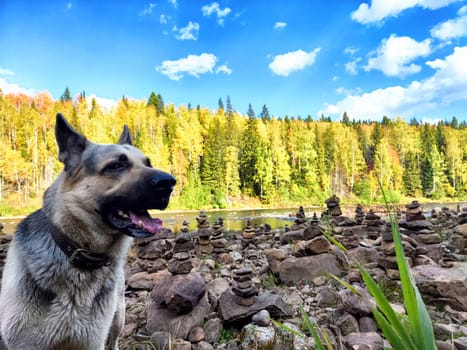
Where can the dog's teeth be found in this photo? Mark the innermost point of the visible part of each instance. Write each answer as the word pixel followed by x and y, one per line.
pixel 122 214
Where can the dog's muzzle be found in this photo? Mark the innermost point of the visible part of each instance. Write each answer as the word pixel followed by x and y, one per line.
pixel 128 212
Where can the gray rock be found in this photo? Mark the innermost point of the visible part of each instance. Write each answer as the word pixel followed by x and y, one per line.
pixel 213 329
pixel 318 245
pixel 363 341
pixel 346 322
pixel 180 344
pixel 232 313
pixel 159 318
pixel 359 305
pixel 460 343
pixel 367 324
pixel 196 335
pixel 256 337
pixel 447 284
pixel 202 345
pixel 262 318
pixel 416 225
pixel 291 236
pixel 328 297
pixel 180 293
pixel 161 340
pixel 305 269
pixel 364 255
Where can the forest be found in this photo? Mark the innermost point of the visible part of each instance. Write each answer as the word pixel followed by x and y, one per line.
pixel 225 159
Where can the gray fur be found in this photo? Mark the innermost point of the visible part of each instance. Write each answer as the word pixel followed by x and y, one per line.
pixel 45 302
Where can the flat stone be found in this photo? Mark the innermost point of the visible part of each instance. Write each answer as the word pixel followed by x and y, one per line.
pixel 448 284
pixel 305 269
pixel 179 293
pixel 232 313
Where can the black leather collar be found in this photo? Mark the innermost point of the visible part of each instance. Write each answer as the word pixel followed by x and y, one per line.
pixel 79 257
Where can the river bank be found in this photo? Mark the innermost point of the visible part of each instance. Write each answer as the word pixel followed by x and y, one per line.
pixel 235 219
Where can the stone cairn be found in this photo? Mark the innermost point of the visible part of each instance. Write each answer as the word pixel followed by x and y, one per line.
pixel 219 243
pixel 267 230
pixel 182 251
pixel 300 220
pixel 416 225
pixel 359 214
pixel 153 252
pixel 248 238
pixel 375 227
pixel 243 288
pixel 333 207
pixel 313 229
pixel 185 227
pixel 203 244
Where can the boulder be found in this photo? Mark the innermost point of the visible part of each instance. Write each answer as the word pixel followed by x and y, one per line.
pixel 238 315
pixel 305 269
pixel 161 319
pixel 179 293
pixel 446 284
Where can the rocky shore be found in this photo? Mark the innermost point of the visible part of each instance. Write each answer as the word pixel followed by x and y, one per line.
pixel 210 289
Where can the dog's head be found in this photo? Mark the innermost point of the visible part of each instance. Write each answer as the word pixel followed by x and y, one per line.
pixel 114 182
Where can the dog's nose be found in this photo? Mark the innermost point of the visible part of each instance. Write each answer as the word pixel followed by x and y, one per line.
pixel 163 181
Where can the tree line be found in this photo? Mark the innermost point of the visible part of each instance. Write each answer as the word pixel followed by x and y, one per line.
pixel 224 158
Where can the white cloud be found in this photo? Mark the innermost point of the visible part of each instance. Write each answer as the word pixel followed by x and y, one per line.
pixel 174 3
pixel 106 104
pixel 380 9
pixel 293 61
pixel 224 69
pixel 208 10
pixel 280 25
pixel 351 50
pixel 13 88
pixel 194 65
pixel 190 32
pixel 147 11
pixel 163 19
pixel 453 28
pixel 352 66
pixel 446 85
pixel 4 71
pixel 394 55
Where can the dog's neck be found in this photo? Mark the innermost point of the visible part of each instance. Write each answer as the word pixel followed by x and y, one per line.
pixel 79 257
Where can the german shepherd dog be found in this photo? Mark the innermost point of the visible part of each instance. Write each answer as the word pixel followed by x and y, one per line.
pixel 63 281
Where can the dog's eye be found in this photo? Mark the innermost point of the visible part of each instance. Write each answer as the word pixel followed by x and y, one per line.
pixel 115 166
pixel 147 162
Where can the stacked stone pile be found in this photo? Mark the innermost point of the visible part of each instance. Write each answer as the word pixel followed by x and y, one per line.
pixel 297 232
pixel 375 227
pixel 218 241
pixel 203 243
pixel 182 251
pixel 359 214
pixel 248 237
pixel 153 252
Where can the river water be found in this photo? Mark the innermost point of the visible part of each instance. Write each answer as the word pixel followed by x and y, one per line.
pixel 235 219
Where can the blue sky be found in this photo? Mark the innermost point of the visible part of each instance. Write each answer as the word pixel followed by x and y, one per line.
pixel 404 58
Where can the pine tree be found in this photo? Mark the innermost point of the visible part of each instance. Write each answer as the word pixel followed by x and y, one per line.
pixel 345 119
pixel 265 114
pixel 66 95
pixel 251 112
pixel 220 105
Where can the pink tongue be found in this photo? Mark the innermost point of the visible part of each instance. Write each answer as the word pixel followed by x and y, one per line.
pixel 146 222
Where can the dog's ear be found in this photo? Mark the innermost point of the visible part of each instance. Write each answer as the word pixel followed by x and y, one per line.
pixel 125 137
pixel 71 144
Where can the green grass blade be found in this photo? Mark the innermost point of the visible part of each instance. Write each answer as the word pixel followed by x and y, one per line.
pixel 312 329
pixel 418 316
pixel 390 333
